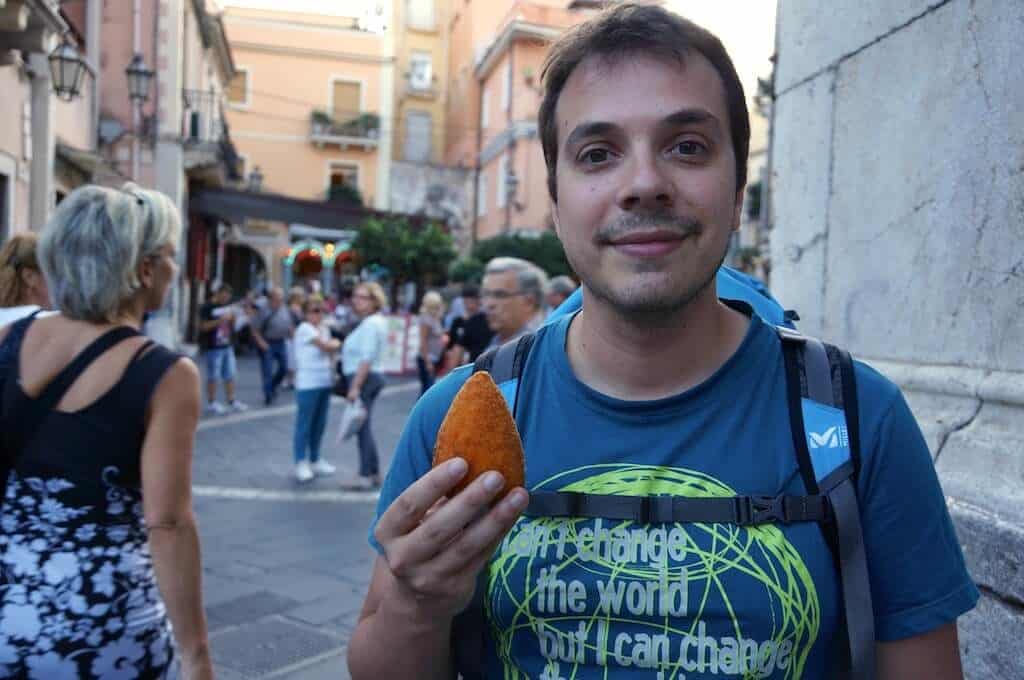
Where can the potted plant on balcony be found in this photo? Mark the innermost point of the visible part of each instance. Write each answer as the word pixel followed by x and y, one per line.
pixel 321 122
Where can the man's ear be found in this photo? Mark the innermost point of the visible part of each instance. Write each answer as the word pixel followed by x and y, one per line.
pixel 737 209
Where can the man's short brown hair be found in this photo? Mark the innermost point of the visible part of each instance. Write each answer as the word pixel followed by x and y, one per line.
pixel 630 29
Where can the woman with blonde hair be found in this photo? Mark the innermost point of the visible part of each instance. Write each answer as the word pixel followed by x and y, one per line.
pixel 101 558
pixel 432 338
pixel 360 364
pixel 22 284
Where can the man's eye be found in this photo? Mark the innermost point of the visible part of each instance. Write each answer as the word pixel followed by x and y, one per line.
pixel 594 156
pixel 688 148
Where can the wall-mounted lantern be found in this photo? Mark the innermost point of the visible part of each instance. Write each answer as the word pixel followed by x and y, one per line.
pixel 66 70
pixel 139 79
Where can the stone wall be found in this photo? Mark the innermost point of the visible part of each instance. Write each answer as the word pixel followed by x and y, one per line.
pixel 442 193
pixel 898 231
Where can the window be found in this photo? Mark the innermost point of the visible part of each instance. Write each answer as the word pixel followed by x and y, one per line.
pixel 242 165
pixel 421 75
pixel 483 110
pixel 419 128
pixel 343 183
pixel 344 173
pixel 481 194
pixel 420 14
pixel 502 189
pixel 346 100
pixel 506 87
pixel 239 88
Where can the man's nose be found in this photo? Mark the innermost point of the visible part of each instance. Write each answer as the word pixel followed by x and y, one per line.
pixel 647 186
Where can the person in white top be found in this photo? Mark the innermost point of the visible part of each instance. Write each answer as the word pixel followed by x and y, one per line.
pixel 432 338
pixel 360 363
pixel 314 376
pixel 22 285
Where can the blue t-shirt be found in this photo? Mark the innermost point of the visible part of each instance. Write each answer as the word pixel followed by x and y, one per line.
pixel 583 598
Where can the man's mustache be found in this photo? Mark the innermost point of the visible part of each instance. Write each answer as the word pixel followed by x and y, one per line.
pixel 628 224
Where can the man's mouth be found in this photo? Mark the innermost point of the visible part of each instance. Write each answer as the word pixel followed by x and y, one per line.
pixel 652 243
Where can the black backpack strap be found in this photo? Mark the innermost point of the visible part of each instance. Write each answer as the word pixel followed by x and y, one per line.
pixel 738 510
pixel 469 629
pixel 825 374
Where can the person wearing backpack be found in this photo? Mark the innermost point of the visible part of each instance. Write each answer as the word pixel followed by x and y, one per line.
pixel 710 494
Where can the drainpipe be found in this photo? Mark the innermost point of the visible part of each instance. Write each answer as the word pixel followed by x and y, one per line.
pixel 476 176
pixel 136 106
pixel 510 121
pixel 93 35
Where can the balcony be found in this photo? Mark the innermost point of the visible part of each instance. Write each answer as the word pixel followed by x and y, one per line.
pixel 362 131
pixel 209 152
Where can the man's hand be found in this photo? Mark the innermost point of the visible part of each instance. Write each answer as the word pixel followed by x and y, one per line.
pixel 436 550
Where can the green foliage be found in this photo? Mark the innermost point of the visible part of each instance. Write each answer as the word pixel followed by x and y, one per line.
pixel 419 255
pixel 544 251
pixel 345 193
pixel 466 269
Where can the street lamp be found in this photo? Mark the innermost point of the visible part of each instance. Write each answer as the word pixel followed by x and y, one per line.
pixel 139 78
pixel 255 179
pixel 66 70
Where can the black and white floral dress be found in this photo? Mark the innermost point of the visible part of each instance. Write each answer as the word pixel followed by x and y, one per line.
pixel 78 596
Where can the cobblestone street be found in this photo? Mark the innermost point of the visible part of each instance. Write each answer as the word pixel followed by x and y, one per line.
pixel 285 566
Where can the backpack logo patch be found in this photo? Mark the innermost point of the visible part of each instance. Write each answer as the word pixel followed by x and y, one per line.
pixel 833 438
pixel 828 439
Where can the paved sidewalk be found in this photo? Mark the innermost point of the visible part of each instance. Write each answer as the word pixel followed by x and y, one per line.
pixel 285 566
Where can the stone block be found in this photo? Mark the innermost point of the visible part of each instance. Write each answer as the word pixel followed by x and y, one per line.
pixel 939 414
pixel 266 646
pixel 928 191
pixel 812 37
pixel 982 463
pixel 248 608
pixel 990 641
pixel 800 191
pixel 993 549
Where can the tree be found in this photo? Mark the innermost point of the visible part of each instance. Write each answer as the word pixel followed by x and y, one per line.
pixel 466 269
pixel 544 250
pixel 408 254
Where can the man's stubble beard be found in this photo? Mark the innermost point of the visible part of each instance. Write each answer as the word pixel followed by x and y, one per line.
pixel 656 311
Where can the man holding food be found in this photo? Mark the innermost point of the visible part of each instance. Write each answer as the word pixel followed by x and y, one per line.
pixel 655 389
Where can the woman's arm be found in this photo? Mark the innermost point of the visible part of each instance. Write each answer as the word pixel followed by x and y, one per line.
pixel 167 506
pixel 355 386
pixel 424 348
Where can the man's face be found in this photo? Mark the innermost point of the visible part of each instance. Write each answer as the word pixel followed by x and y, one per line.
pixel 223 296
pixel 471 304
pixel 647 195
pixel 276 299
pixel 506 307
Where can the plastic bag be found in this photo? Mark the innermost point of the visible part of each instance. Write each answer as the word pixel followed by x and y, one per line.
pixel 352 420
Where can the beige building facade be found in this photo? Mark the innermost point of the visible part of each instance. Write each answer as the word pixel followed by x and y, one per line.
pixel 421 80
pixel 312 104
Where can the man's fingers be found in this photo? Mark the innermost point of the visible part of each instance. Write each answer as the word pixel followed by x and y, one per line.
pixel 481 538
pixel 436 532
pixel 406 512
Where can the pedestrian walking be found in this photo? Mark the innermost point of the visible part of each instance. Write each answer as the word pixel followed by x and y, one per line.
pixel 314 378
pixel 272 329
pixel 360 364
pixel 432 338
pixel 296 298
pixel 469 334
pixel 216 338
pixel 100 552
pixel 710 495
pixel 23 288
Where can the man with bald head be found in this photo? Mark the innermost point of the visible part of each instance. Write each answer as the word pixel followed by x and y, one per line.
pixel 272 328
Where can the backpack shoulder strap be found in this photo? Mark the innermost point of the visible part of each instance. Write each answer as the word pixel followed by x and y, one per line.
pixel 469 629
pixel 824 417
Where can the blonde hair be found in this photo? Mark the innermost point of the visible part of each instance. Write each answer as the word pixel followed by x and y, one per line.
pixel 91 248
pixel 376 291
pixel 18 253
pixel 432 304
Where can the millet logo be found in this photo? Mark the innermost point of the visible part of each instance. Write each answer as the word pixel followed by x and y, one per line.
pixel 833 438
